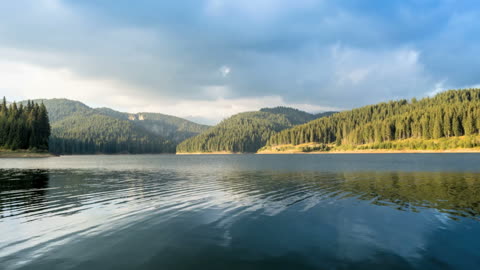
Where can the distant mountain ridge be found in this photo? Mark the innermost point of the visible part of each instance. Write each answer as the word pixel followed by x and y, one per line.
pixel 246 132
pixel 173 128
pixel 80 129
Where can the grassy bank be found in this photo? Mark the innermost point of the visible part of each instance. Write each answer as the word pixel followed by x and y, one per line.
pixel 24 154
pixel 443 145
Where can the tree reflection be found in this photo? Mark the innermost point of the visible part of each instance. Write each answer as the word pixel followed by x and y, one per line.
pixel 20 189
pixel 454 193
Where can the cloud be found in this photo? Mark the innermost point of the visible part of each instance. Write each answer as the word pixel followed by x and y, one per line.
pixel 213 111
pixel 225 71
pixel 379 75
pixel 26 81
pixel 51 83
pixel 340 54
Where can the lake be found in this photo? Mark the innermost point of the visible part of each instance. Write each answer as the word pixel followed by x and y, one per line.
pixel 346 211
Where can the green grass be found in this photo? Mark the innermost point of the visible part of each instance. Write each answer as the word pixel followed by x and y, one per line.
pixel 442 144
pixel 464 142
pixel 23 153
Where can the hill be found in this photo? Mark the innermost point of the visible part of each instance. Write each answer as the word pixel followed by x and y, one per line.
pixel 80 129
pixel 96 133
pixel 296 116
pixel 245 132
pixel 401 124
pixel 173 128
pixel 59 109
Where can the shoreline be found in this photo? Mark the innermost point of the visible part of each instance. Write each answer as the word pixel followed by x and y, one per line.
pixel 211 153
pixel 369 151
pixel 374 151
pixel 25 154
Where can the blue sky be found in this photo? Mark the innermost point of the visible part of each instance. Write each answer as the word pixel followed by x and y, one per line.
pixel 206 60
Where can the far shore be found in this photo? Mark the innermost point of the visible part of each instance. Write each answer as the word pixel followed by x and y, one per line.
pixel 375 151
pixel 212 153
pixel 368 151
pixel 25 154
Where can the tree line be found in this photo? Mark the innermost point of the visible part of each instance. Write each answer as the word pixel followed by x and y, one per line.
pixel 24 127
pixel 448 114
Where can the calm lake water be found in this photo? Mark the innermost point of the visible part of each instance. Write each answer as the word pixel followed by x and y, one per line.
pixel 403 211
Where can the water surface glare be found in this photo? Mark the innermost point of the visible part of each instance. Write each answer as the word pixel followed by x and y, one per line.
pixel 363 211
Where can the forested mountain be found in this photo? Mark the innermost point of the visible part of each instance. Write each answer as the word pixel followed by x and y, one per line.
pixel 245 132
pixel 24 127
pixel 79 129
pixel 58 109
pixel 96 133
pixel 295 116
pixel 172 128
pixel 448 114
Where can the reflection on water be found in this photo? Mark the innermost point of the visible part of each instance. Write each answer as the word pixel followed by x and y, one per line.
pixel 455 194
pixel 20 190
pixel 236 218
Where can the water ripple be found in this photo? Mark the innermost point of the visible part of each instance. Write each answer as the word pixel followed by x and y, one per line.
pixel 87 203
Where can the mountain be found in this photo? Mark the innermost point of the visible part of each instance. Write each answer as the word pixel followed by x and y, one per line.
pixel 96 133
pixel 439 122
pixel 59 109
pixel 296 116
pixel 173 128
pixel 80 129
pixel 245 132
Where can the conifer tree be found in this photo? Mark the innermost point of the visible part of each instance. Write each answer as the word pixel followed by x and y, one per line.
pixel 23 127
pixel 450 113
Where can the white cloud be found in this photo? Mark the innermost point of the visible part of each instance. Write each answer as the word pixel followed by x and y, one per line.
pixel 439 87
pixel 20 81
pixel 216 91
pixel 225 71
pixel 379 75
pixel 213 111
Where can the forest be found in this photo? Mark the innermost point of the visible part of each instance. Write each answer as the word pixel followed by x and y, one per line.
pixel 93 134
pixel 448 120
pixel 79 129
pixel 448 114
pixel 24 127
pixel 246 132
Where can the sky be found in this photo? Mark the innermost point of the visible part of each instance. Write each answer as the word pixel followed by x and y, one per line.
pixel 208 59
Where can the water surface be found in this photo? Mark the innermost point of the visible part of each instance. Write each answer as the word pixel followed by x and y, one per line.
pixel 362 211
